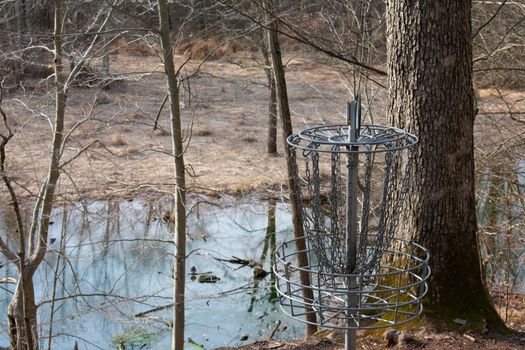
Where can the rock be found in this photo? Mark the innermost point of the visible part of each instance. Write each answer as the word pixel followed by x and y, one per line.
pixel 407 338
pixel 469 337
pixel 168 217
pixel 244 338
pixel 193 273
pixel 391 337
pixel 460 321
pixel 208 279
pixel 259 272
pixel 485 329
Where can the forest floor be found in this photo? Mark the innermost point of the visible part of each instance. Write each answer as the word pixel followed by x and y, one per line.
pixel 425 339
pixel 225 115
pixel 225 106
pixel 511 307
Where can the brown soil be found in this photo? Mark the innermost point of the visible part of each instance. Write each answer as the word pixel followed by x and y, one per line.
pixel 423 339
pixel 510 306
pixel 225 119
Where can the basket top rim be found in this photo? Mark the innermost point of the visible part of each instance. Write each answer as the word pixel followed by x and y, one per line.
pixel 336 138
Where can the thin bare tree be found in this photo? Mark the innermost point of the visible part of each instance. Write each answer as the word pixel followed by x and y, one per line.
pixel 286 124
pixel 32 243
pixel 179 272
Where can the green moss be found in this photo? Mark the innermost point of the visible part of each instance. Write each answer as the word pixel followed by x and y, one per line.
pixel 478 313
pixel 474 307
pixel 134 338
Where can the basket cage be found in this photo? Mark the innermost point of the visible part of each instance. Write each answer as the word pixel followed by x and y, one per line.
pixel 389 296
pixel 384 158
pixel 351 182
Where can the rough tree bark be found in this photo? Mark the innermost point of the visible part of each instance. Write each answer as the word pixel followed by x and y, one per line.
pixel 431 95
pixel 286 123
pixel 180 181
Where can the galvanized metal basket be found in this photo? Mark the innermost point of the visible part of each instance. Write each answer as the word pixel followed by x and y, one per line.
pixel 352 181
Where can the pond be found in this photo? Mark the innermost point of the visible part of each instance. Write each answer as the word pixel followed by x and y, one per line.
pixel 501 218
pixel 110 269
pixel 113 284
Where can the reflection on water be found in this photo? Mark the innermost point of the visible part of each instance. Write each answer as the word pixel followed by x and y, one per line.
pixel 501 216
pixel 113 281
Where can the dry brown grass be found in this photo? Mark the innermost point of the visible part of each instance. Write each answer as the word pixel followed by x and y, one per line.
pixel 132 47
pixel 222 162
pixel 130 150
pixel 202 133
pixel 210 49
pixel 249 139
pixel 239 122
pixel 117 140
pixel 121 129
pixel 89 126
pixel 511 308
pixel 9 69
pixel 501 80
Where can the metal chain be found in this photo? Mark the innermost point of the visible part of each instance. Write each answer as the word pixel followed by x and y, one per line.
pixel 325 232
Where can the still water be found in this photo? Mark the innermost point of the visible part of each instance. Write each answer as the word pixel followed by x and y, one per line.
pixel 501 219
pixel 117 264
pixel 112 283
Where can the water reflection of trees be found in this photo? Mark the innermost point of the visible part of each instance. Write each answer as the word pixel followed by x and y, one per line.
pixel 268 249
pixel 501 213
pixel 108 263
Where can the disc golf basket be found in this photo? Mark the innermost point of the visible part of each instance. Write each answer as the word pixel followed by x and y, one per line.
pixel 351 181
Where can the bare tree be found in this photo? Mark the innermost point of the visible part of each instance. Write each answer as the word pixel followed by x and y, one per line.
pixel 286 123
pixel 30 249
pixel 179 272
pixel 271 138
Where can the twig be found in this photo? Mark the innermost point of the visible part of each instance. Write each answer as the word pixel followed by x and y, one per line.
pixel 155 126
pixel 270 337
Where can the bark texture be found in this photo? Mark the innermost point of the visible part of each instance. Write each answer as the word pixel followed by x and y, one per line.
pixel 431 95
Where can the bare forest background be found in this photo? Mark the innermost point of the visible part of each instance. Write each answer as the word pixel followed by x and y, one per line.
pixel 110 100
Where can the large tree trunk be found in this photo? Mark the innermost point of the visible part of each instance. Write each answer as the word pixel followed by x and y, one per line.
pixel 286 123
pixel 180 182
pixel 431 95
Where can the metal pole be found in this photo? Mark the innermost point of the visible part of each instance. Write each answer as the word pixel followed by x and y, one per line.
pixel 354 119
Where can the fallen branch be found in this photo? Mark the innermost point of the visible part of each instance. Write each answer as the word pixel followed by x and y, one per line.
pixel 159 308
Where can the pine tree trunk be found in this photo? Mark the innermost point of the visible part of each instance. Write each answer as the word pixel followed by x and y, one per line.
pixel 431 95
